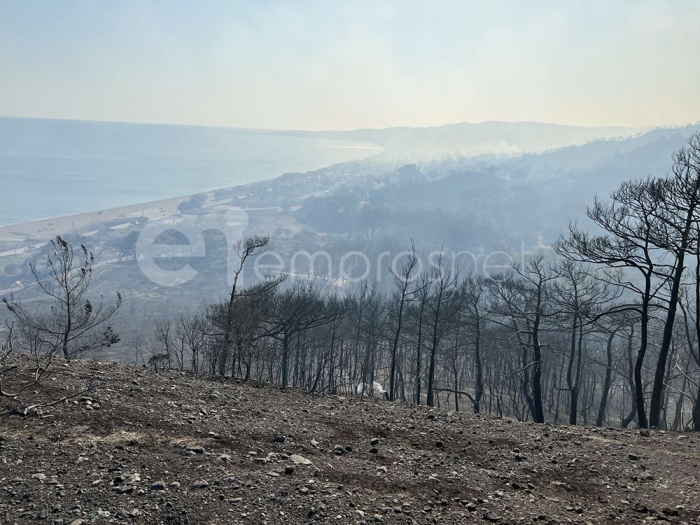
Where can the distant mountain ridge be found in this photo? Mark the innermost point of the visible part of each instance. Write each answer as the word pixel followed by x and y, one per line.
pixel 473 139
pixel 651 150
pixel 473 202
pixel 407 144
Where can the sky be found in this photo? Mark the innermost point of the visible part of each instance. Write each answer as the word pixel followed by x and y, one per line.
pixel 352 64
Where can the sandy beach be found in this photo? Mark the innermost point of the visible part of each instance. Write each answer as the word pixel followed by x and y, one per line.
pixel 15 236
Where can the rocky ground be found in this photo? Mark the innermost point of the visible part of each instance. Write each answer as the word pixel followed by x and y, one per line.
pixel 172 448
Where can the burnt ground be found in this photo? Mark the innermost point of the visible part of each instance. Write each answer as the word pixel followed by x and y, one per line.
pixel 173 448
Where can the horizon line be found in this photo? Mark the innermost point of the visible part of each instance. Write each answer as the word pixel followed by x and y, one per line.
pixel 297 130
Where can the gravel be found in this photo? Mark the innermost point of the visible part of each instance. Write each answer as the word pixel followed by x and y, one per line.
pixel 174 448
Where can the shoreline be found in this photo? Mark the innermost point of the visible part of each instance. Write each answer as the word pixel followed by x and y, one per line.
pixel 57 168
pixel 16 238
pixel 46 229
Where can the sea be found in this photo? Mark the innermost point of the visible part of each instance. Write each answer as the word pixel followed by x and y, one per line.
pixel 52 168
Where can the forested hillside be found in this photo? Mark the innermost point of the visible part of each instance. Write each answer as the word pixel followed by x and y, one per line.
pixel 430 284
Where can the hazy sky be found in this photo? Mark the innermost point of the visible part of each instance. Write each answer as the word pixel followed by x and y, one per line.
pixel 351 64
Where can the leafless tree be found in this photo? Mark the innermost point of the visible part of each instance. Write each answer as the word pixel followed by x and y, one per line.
pixel 579 299
pixel 443 305
pixel 73 324
pixel 476 297
pixel 678 213
pixel 628 243
pixel 402 294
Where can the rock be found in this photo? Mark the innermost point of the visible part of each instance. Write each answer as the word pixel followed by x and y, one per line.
pixel 278 439
pixel 158 485
pixel 175 485
pixel 314 443
pixel 101 514
pixel 439 444
pixel 374 451
pixel 201 484
pixel 382 469
pixel 132 478
pixel 488 516
pixel 289 471
pixel 339 450
pixel 195 450
pixel 632 457
pixel 358 514
pixel 374 442
pixel 299 460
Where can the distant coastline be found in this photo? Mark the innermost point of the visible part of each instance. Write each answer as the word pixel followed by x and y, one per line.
pixel 46 229
pixel 56 168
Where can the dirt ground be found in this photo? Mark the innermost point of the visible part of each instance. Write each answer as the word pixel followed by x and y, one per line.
pixel 173 448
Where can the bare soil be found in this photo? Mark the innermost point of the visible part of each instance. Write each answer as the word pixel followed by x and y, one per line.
pixel 175 448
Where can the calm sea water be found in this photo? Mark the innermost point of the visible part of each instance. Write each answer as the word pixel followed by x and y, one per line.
pixel 51 168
